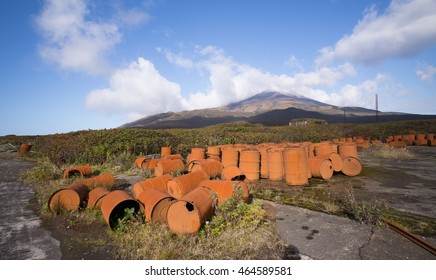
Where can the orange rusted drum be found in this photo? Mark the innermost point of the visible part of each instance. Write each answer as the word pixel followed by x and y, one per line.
pixel 159 183
pixel 232 173
pixel 83 170
pixel 398 144
pixel 70 198
pixel 229 156
pixel 189 214
pixel 196 154
pixel 351 166
pixel 213 168
pixel 295 167
pixel 321 168
pixel 173 156
pixel 275 164
pixel 156 204
pixel 249 163
pixel 335 159
pixel 24 149
pixel 323 149
pixel 420 142
pixel 431 142
pixel 141 162
pixel 263 151
pixel 165 151
pixel 114 204
pixel 225 189
pixel 105 180
pixel 169 166
pixel 181 185
pixel 214 152
pixel 95 197
pixel 347 150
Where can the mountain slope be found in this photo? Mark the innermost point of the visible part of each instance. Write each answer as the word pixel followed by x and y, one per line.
pixel 269 108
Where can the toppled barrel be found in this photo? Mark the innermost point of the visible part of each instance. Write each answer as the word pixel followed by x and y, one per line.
pixel 83 170
pixel 70 198
pixel 189 214
pixel 156 204
pixel 114 205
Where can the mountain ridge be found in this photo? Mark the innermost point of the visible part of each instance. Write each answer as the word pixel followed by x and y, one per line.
pixel 268 108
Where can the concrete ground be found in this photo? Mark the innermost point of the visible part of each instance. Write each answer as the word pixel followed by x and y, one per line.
pixel 21 235
pixel 327 237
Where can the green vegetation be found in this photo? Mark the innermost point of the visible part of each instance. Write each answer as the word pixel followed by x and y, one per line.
pixel 100 146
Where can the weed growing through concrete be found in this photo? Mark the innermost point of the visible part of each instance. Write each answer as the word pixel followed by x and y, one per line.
pixel 367 213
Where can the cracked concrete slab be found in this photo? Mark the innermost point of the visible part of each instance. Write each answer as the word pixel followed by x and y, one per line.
pixel 322 236
pixel 386 244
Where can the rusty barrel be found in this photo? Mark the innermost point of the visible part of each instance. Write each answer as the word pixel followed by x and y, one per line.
pixel 213 152
pixel 173 156
pixel 229 156
pixel 114 204
pixel 159 183
pixel 24 149
pixel 295 166
pixel 275 164
pixel 398 144
pixel 70 198
pixel 95 197
pixel 156 204
pixel 165 151
pixel 169 166
pixel 213 168
pixel 232 173
pixel 105 180
pixel 225 189
pixel 263 151
pixel 196 154
pixel 335 159
pixel 351 166
pixel 181 185
pixel 249 163
pixel 189 214
pixel 322 149
pixel 141 162
pixel 347 150
pixel 321 167
pixel 82 170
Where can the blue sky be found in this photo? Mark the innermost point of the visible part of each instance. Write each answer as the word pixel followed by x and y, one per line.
pixel 76 65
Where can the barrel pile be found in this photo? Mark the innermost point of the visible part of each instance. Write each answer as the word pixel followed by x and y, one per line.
pixel 184 191
pixel 411 139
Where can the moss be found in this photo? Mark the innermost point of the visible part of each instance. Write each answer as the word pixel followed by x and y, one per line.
pixel 414 223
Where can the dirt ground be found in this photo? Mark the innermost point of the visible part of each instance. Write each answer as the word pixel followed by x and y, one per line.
pixel 408 185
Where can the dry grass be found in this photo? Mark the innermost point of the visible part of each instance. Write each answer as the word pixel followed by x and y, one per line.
pixel 386 151
pixel 213 242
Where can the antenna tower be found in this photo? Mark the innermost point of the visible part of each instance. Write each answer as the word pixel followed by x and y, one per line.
pixel 376 107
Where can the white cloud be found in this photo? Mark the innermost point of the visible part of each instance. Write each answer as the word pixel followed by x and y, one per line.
pixel 136 91
pixel 132 16
pixel 426 72
pixel 73 42
pixel 405 28
pixel 139 90
pixel 177 59
pixel 295 63
pixel 360 95
pixel 231 81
